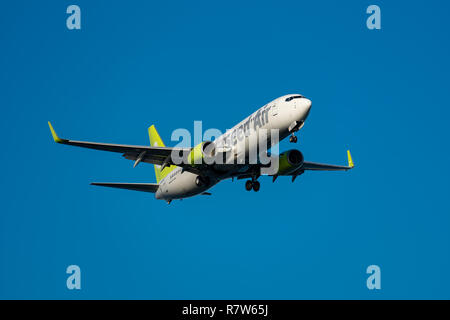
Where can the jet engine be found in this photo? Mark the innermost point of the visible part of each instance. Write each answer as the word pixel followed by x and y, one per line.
pixel 289 161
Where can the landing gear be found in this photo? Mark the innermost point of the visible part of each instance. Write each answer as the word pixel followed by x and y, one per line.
pixel 249 185
pixel 293 128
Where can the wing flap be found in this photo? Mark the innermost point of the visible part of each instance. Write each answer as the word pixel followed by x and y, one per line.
pixel 144 187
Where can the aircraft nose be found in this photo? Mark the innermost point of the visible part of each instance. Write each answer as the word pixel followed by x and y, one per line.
pixel 306 107
pixel 308 104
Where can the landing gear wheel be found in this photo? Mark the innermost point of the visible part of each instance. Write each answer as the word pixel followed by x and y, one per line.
pixel 248 185
pixel 293 139
pixel 256 186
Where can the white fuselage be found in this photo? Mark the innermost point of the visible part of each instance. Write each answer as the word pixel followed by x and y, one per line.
pixel 281 114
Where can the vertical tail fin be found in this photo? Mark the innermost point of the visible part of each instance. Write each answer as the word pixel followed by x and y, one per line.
pixel 156 141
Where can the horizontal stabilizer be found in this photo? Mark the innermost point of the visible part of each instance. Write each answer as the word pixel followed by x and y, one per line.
pixel 145 187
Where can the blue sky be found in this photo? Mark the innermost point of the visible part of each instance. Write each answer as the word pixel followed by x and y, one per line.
pixel 382 94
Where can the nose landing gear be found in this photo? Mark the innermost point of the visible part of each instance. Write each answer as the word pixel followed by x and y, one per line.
pixel 294 127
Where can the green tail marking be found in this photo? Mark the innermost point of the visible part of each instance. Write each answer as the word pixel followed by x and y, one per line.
pixel 156 141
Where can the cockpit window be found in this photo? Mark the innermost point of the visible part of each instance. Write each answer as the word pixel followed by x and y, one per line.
pixel 293 97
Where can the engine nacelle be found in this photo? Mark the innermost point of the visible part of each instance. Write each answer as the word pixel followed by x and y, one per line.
pixel 203 153
pixel 202 181
pixel 289 161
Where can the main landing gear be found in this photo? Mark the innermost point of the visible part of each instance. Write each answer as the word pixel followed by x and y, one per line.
pixel 250 184
pixel 293 138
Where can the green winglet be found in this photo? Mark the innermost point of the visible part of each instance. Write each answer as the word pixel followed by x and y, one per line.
pixel 54 135
pixel 350 160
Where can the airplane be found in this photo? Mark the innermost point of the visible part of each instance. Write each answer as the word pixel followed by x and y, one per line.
pixel 195 175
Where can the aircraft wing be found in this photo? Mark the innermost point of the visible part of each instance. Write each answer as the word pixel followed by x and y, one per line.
pixel 323 167
pixel 160 156
pixel 154 155
pixel 328 167
pixel 145 187
pixel 307 165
